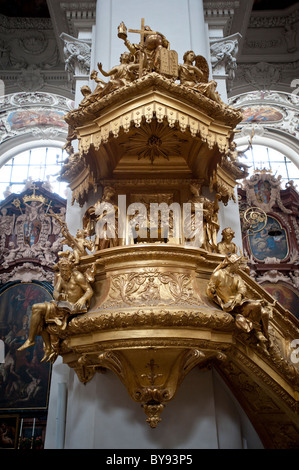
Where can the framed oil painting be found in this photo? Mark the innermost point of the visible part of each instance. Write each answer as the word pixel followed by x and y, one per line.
pixel 9 427
pixel 285 295
pixel 269 242
pixel 24 380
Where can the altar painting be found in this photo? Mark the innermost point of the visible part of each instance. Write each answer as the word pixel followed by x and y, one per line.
pixel 269 242
pixel 24 380
pixel 285 296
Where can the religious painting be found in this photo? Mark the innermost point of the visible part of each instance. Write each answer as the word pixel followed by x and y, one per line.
pixel 24 380
pixel 285 295
pixel 261 114
pixel 9 431
pixel 32 118
pixel 262 191
pixel 269 241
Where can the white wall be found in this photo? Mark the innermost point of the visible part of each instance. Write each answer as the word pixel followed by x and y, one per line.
pixel 102 415
pixel 182 22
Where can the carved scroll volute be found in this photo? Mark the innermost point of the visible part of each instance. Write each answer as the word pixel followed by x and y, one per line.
pixel 152 376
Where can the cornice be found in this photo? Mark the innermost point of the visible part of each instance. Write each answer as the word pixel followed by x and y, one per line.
pixel 14 23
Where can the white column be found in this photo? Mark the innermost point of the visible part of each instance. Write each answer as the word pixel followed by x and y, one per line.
pixel 101 414
pixel 199 38
pixel 57 405
pixel 181 21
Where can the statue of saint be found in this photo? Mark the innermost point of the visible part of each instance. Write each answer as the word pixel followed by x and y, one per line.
pixel 72 293
pixel 102 220
pixel 207 230
pixel 227 288
pixel 197 76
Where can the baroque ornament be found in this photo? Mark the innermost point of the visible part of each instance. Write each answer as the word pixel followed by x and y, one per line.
pixel 151 307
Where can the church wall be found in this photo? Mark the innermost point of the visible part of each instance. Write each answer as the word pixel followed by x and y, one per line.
pixel 181 30
pixel 202 415
pixel 209 423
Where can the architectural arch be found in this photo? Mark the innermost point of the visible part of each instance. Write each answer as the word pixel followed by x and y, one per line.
pixel 272 118
pixel 32 119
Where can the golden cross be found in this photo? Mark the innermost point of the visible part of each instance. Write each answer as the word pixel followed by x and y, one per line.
pixel 143 32
pixel 34 187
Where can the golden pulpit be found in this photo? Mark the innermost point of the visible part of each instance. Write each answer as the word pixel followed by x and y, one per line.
pixel 151 297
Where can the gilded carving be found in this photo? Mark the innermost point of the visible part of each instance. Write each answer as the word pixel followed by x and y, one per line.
pixel 151 306
pixel 227 288
pixel 196 76
pixel 72 294
pixel 101 220
pixel 226 246
pixel 151 287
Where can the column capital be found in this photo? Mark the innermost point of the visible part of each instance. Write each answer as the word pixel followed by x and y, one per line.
pixel 223 54
pixel 77 54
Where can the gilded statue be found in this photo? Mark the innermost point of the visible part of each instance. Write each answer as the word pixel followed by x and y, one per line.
pixel 100 83
pixel 210 223
pixel 72 294
pixel 146 53
pixel 86 92
pixel 102 220
pixel 226 246
pixel 79 243
pixel 227 288
pixel 197 76
pixel 121 74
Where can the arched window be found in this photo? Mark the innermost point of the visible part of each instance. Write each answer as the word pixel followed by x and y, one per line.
pixel 260 157
pixel 37 164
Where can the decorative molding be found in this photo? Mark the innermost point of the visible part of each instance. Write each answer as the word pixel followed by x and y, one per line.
pixel 38 113
pixel 77 55
pixel 220 14
pixel 22 23
pixel 223 53
pixel 284 103
pixel 270 20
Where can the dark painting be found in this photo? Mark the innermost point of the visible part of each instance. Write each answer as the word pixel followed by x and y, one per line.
pixel 270 242
pixel 285 296
pixel 24 380
pixel 8 431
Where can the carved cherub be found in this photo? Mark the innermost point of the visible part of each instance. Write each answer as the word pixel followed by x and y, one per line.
pixel 78 243
pixel 86 92
pixel 121 75
pixel 227 288
pixel 226 246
